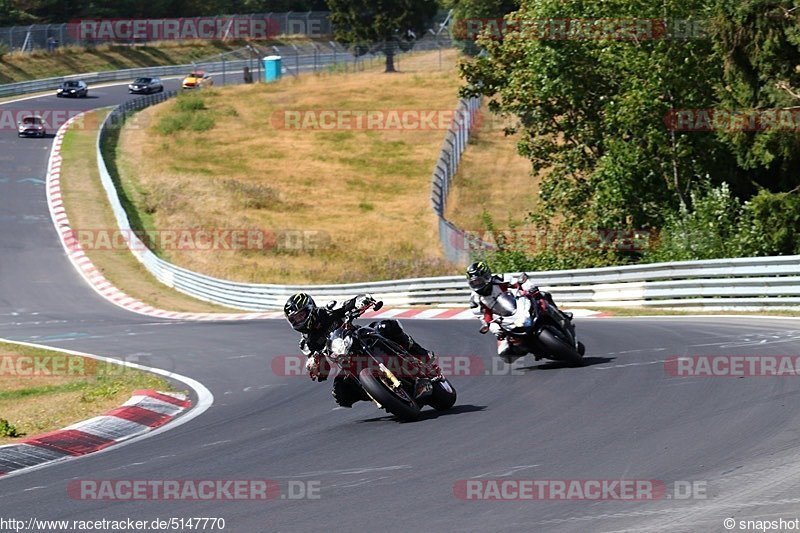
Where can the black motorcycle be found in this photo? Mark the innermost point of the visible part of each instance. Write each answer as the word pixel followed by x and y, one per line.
pixel 395 380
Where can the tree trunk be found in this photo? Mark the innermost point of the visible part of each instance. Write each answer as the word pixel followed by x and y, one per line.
pixel 390 59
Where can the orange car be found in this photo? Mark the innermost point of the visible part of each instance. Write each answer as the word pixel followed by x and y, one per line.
pixel 197 79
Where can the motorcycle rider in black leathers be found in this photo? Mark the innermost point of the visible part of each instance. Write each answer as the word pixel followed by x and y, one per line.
pixel 316 323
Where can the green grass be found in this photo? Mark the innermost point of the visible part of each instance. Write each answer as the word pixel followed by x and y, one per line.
pixel 191 115
pixel 44 402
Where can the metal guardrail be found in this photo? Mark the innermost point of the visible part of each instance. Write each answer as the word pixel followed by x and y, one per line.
pixel 313 59
pixel 716 284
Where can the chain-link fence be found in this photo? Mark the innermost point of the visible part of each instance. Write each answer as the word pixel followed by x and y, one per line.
pixel 312 24
pixel 457 244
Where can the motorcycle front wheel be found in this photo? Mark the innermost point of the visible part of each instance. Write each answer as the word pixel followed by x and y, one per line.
pixel 403 408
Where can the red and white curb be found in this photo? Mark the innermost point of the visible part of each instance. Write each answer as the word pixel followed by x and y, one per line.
pixel 85 266
pixel 145 411
pixel 107 290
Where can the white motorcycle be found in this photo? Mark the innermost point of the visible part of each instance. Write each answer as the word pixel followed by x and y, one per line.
pixel 531 324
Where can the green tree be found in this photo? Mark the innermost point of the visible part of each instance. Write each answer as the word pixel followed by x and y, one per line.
pixel 11 14
pixel 758 42
pixel 466 11
pixel 384 22
pixel 592 110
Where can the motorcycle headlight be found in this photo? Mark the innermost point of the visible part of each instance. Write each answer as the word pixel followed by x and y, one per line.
pixel 341 345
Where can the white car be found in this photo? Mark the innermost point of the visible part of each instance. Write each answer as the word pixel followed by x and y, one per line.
pixel 31 125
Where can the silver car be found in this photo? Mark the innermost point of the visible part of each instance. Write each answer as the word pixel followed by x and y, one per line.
pixel 31 125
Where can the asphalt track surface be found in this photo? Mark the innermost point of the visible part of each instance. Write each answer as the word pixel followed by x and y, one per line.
pixel 621 416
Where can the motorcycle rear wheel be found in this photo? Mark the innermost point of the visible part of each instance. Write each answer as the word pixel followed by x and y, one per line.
pixel 558 349
pixel 444 395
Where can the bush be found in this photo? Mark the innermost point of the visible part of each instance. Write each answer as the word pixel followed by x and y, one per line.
pixel 190 103
pixel 539 247
pixel 771 224
pixel 201 123
pixel 7 429
pixel 169 124
pixel 709 230
pixel 189 113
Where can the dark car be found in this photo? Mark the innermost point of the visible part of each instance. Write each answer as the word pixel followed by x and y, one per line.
pixel 31 125
pixel 77 88
pixel 145 86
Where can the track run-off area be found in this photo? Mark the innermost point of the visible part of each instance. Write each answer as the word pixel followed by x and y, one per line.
pixel 711 448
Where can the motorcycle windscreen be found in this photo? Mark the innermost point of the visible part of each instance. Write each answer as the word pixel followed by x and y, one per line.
pixel 504 305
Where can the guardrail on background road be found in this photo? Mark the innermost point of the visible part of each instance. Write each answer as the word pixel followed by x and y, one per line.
pixel 303 58
pixel 313 59
pixel 722 283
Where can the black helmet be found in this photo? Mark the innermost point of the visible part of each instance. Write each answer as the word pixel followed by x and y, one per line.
pixel 299 311
pixel 479 277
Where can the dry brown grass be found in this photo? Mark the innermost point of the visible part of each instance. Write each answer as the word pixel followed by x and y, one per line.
pixel 78 388
pixel 492 177
pixel 368 191
pixel 88 208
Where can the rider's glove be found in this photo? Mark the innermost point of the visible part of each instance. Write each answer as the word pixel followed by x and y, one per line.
pixel 313 366
pixel 495 328
pixel 364 300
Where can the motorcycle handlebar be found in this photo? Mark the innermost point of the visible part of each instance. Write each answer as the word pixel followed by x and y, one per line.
pixel 355 313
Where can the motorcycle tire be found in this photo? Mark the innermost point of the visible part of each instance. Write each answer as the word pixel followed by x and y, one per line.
pixel 444 395
pixel 559 349
pixel 406 410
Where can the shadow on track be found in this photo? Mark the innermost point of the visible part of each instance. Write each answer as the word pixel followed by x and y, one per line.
pixel 554 365
pixel 87 97
pixel 428 414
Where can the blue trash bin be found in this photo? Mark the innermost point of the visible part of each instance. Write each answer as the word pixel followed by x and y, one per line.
pixel 272 68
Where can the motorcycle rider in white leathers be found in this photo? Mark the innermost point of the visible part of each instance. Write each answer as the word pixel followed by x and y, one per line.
pixel 490 300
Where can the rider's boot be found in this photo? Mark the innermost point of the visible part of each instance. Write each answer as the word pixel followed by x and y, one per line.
pixel 423 388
